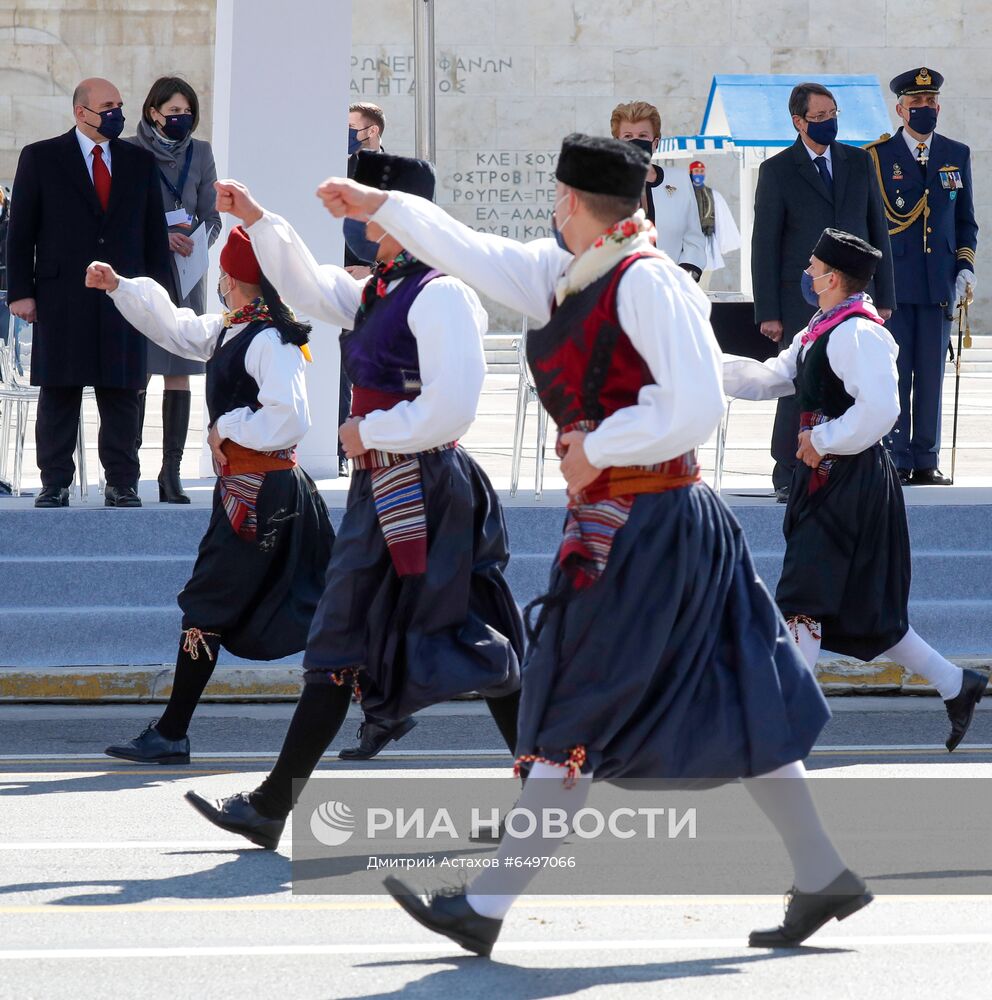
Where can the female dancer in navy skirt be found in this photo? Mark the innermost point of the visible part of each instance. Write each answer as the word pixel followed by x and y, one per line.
pixel 657 652
pixel 416 608
pixel 260 570
pixel 845 579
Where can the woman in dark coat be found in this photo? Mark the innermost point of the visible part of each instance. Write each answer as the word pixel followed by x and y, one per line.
pixel 169 116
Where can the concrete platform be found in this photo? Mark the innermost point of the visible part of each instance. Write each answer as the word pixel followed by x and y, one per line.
pixel 87 595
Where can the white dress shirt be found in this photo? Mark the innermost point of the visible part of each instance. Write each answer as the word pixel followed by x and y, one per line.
pixel 862 354
pixel 661 310
pixel 86 145
pixel 278 368
pixel 913 143
pixel 446 318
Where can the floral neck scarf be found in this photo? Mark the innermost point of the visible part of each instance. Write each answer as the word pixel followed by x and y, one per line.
pixel 632 235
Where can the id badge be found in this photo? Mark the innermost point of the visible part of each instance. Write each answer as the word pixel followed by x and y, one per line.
pixel 179 217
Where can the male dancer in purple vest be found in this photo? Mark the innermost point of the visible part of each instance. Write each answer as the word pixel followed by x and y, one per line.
pixel 423 527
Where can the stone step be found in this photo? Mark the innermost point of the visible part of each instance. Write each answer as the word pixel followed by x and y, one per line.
pixel 107 584
pixel 81 636
pixel 503 368
pixel 84 587
pixel 164 530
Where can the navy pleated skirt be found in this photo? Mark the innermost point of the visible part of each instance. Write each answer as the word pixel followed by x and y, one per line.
pixel 847 555
pixel 419 640
pixel 260 593
pixel 675 663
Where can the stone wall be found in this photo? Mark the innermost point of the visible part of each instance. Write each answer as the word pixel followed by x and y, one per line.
pixel 513 76
pixel 48 46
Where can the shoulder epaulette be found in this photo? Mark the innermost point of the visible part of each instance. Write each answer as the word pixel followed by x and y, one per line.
pixel 884 137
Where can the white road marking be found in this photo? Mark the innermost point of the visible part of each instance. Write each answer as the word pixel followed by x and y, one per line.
pixel 736 944
pixel 447 754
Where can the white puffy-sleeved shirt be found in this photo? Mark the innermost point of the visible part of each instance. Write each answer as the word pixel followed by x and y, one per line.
pixel 661 310
pixel 862 354
pixel 446 319
pixel 278 368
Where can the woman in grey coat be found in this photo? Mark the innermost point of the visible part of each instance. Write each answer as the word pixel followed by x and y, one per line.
pixel 169 117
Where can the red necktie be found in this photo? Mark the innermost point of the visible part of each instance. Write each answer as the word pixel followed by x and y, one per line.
pixel 101 177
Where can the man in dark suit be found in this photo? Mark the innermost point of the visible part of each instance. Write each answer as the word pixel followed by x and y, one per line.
pixel 925 179
pixel 82 196
pixel 815 184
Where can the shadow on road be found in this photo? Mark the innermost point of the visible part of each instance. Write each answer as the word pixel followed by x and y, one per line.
pixel 476 977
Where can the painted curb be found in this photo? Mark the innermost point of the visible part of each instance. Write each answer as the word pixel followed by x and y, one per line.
pixel 283 683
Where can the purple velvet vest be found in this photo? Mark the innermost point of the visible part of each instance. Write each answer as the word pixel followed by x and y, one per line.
pixel 381 352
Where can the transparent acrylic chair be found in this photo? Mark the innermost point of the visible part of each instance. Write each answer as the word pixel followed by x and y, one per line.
pixel 526 394
pixel 16 397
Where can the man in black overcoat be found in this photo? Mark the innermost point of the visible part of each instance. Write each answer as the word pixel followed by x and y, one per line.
pixel 84 196
pixel 815 184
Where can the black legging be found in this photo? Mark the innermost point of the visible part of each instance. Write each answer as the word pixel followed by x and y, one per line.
pixel 319 715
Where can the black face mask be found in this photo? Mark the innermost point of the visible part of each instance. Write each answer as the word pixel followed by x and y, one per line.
pixel 645 144
pixel 177 127
pixel 111 122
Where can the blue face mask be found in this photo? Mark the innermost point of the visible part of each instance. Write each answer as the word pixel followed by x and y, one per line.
pixel 555 231
pixel 698 180
pixel 358 243
pixel 111 122
pixel 354 143
pixel 922 120
pixel 822 133
pixel 806 285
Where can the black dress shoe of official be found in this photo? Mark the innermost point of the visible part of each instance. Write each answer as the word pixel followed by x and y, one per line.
pixel 373 736
pixel 930 477
pixel 52 496
pixel 448 914
pixel 236 814
pixel 905 477
pixel 961 708
pixel 807 912
pixel 151 747
pixel 782 494
pixel 121 496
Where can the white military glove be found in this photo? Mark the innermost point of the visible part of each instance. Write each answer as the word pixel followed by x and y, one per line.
pixel 965 278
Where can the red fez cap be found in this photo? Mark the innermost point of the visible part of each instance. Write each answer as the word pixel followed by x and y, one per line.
pixel 697 165
pixel 238 258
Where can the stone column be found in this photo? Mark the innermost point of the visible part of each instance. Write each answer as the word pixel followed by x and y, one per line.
pixel 281 79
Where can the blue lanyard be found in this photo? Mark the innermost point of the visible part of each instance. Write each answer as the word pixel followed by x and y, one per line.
pixel 177 193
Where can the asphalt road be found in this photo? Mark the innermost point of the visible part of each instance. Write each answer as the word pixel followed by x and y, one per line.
pixel 110 886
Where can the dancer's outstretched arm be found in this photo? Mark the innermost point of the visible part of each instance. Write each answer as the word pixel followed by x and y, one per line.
pixel 324 292
pixel 521 276
pixel 146 305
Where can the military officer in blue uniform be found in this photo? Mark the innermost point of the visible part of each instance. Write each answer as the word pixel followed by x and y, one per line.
pixel 926 191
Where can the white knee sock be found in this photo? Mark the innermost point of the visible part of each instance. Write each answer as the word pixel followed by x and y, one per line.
pixel 914 654
pixel 783 796
pixel 494 891
pixel 809 644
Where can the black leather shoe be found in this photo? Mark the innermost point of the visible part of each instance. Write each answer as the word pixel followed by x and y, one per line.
pixel 121 496
pixel 236 814
pixel 807 912
pixel 782 494
pixel 151 747
pixel 52 496
pixel 344 469
pixel 961 708
pixel 905 477
pixel 448 914
pixel 930 477
pixel 373 736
